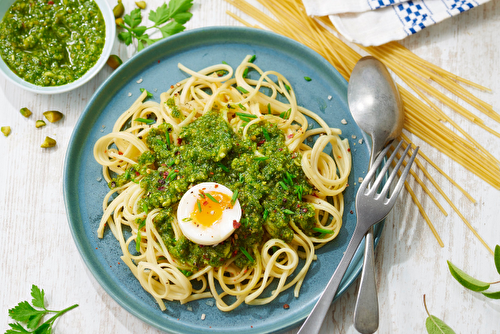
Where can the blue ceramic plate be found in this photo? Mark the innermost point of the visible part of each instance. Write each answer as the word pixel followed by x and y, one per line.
pixel 84 188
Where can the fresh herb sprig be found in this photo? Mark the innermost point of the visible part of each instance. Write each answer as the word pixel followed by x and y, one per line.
pixel 434 325
pixel 474 284
pixel 31 315
pixel 169 20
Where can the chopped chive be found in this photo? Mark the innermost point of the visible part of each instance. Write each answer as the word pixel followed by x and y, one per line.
pixel 245 123
pixel 202 195
pixel 142 223
pixel 186 273
pixel 225 62
pixel 266 214
pixel 145 208
pixel 245 72
pixel 242 178
pixel 252 59
pixel 199 204
pixel 172 176
pixel 148 94
pixel 138 241
pixel 168 139
pixel 299 190
pixel 261 158
pixel 275 249
pixel 171 163
pixel 221 73
pixel 289 212
pixel 269 108
pixel 212 198
pixel 244 114
pixel 266 134
pixel 244 119
pixel 127 174
pixel 322 230
pixel 307 78
pixel 286 114
pixel 242 107
pixel 224 168
pixel 287 87
pixel 235 197
pixel 187 219
pixel 241 89
pixel 144 120
pixel 246 254
pixel 283 185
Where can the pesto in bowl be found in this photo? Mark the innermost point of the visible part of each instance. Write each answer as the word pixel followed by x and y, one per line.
pixel 52 46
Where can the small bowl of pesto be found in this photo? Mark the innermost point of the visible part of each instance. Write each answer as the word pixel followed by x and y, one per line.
pixel 54 46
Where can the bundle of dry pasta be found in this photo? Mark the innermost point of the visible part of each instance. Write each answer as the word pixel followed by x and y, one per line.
pixel 422 117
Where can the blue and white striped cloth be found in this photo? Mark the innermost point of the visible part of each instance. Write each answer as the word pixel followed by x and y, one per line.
pixel 375 22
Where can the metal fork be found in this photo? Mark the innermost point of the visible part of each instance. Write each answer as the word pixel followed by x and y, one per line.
pixel 371 208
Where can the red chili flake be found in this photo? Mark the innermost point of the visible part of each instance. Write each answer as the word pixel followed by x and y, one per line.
pixel 261 142
pixel 347 185
pixel 158 61
pixel 118 262
pixel 211 173
pixel 290 136
pixel 50 2
pixel 251 326
pixel 235 252
pixel 137 173
pixel 315 195
pixel 348 150
pixel 339 157
pixel 120 153
pixel 304 210
pixel 177 171
pixel 179 141
pixel 205 203
pixel 286 306
pixel 351 212
pixel 172 87
pixel 216 186
pixel 280 149
pixel 236 224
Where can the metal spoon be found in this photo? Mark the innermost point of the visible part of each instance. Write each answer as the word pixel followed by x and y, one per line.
pixel 377 108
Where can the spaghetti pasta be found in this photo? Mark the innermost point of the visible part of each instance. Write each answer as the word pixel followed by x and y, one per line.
pixel 245 272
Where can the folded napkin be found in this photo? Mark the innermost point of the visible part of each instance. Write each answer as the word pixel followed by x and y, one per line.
pixel 327 7
pixel 394 22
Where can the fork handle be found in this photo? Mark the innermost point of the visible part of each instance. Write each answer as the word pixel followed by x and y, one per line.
pixel 313 323
pixel 366 314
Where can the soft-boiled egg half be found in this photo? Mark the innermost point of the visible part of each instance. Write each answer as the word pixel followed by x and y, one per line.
pixel 206 215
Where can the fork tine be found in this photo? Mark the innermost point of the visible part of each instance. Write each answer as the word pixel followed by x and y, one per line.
pixel 382 173
pixel 373 170
pixel 387 185
pixel 402 179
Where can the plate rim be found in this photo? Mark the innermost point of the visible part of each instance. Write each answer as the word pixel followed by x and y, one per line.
pixel 70 186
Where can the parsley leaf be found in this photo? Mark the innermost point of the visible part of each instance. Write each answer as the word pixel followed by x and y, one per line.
pixel 168 19
pixel 26 313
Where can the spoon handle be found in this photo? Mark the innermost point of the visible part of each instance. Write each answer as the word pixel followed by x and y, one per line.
pixel 366 313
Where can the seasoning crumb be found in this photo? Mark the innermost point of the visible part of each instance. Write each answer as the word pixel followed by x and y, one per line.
pixel 129 94
pixel 189 308
pixel 210 303
pixel 99 179
pixel 203 316
pixel 360 141
pixel 155 90
pixel 139 81
pixel 286 306
pixel 360 179
pixel 343 121
pixel 353 136
pixel 329 97
pixel 103 126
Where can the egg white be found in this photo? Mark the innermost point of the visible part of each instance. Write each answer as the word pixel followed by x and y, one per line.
pixel 200 234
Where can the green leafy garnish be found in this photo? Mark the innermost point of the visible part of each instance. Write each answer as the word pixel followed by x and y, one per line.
pixel 287 87
pixel 435 325
pixel 242 107
pixel 322 230
pixel 169 20
pixel 286 114
pixel 266 214
pixel 466 280
pixel 145 120
pixel 148 94
pixel 261 158
pixel 199 205
pixel 172 176
pixel 245 115
pixel 186 273
pixel 212 198
pixel 142 223
pixel 269 108
pixel 224 63
pixel 27 314
pixel 235 197
pixel 266 134
pixel 283 185
pixel 245 73
pixel 243 250
pixel 288 212
pixel 252 59
pixel 299 190
pixel 187 219
pixel 497 258
pixel 241 89
pixel 224 168
pixel 307 78
pixel 492 295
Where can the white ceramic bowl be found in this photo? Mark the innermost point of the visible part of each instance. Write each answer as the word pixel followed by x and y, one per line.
pixel 109 20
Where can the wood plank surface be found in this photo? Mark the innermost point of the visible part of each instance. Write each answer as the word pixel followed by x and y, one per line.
pixel 37 246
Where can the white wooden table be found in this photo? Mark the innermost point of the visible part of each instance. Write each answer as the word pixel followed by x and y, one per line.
pixel 37 247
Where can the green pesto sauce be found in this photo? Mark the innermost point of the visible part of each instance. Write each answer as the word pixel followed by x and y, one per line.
pixel 52 42
pixel 207 150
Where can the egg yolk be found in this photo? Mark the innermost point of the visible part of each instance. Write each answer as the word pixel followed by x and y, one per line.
pixel 211 208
